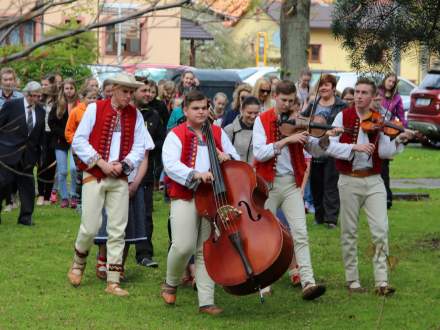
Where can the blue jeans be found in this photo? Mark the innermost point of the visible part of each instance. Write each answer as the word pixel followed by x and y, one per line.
pixel 308 193
pixel 61 156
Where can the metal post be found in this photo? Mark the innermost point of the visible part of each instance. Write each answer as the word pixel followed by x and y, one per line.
pixel 119 49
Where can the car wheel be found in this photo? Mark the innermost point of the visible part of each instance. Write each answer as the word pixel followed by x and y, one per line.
pixel 431 143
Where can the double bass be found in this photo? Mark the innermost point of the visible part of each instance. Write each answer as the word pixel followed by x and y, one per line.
pixel 248 248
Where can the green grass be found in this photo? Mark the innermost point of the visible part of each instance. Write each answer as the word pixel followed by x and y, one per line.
pixel 416 162
pixel 35 293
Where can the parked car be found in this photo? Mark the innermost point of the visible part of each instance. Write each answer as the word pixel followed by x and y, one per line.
pixel 424 112
pixel 155 72
pixel 214 81
pixel 103 71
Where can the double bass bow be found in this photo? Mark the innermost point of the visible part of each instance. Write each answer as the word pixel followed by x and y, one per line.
pixel 248 249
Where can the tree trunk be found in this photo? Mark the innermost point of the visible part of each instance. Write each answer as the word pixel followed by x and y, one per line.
pixel 295 37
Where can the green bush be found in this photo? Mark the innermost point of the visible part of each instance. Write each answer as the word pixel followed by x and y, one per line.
pixel 66 57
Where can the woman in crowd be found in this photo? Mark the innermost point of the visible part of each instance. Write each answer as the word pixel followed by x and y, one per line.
pixel 87 95
pixel 188 82
pixel 218 109
pixel 67 100
pixel 167 91
pixel 348 96
pixel 392 105
pixel 323 174
pixel 46 166
pixel 107 90
pixel 240 93
pixel 240 130
pixel 262 90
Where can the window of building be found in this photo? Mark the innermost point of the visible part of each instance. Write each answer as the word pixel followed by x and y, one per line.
pixel 21 35
pixel 130 39
pixel 315 53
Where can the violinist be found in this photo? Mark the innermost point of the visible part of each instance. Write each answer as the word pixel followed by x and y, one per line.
pixel 323 174
pixel 359 157
pixel 186 162
pixel 280 161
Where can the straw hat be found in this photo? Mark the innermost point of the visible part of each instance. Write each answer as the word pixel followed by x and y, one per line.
pixel 123 79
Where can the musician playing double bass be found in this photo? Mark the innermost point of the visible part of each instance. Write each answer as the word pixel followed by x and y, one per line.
pixel 186 162
pixel 280 161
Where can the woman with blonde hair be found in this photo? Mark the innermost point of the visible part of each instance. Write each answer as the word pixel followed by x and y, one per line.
pixel 262 91
pixel 67 100
pixel 240 93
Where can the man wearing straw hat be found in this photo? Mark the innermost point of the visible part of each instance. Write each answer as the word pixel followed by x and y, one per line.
pixel 109 142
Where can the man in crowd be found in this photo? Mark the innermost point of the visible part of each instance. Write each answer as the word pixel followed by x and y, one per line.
pixel 359 156
pixel 142 96
pixel 110 142
pixel 21 141
pixel 186 162
pixel 280 161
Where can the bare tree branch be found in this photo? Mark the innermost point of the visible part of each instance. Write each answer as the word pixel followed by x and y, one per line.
pixel 87 28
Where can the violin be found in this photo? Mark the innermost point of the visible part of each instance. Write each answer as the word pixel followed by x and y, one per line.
pixel 316 127
pixel 375 122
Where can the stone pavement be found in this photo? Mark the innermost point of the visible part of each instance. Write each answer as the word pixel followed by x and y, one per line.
pixel 420 183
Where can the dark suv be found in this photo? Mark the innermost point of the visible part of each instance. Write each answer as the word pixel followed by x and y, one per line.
pixel 424 111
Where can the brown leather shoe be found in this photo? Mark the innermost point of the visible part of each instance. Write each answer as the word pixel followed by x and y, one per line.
pixel 385 290
pixel 168 294
pixel 211 310
pixel 115 289
pixel 75 273
pixel 313 291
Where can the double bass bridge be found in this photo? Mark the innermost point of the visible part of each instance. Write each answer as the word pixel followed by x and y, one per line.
pixel 227 213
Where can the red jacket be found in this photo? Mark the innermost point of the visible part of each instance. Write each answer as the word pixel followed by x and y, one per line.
pixel 350 119
pixel 102 133
pixel 267 169
pixel 188 157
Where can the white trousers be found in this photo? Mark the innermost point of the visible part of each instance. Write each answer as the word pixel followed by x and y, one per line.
pixel 369 193
pixel 112 194
pixel 288 196
pixel 188 232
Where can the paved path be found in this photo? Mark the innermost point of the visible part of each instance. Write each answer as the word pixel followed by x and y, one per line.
pixel 421 183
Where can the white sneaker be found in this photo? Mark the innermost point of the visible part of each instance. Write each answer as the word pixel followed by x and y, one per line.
pixel 40 201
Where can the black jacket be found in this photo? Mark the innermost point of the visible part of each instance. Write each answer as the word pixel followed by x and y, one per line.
pixel 337 107
pixel 153 123
pixel 16 146
pixel 57 127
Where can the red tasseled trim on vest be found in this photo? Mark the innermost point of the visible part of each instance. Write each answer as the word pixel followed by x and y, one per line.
pixel 102 133
pixel 267 169
pixel 188 157
pixel 350 119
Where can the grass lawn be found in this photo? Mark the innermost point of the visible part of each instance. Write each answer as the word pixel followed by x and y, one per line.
pixel 35 293
pixel 416 162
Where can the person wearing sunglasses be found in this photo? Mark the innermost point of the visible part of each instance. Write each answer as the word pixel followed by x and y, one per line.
pixel 262 91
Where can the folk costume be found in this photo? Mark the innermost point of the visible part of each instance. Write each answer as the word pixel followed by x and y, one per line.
pixel 360 185
pixel 183 155
pixel 283 170
pixel 113 135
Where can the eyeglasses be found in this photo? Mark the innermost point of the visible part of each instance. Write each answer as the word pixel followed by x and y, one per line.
pixel 35 95
pixel 265 91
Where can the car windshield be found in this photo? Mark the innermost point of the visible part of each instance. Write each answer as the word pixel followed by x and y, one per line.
pixel 155 74
pixel 431 81
pixel 246 73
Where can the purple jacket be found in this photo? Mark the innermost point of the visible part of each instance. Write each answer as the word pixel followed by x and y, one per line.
pixel 394 106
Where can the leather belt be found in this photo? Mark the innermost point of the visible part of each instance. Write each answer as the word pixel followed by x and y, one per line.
pixel 93 178
pixel 360 173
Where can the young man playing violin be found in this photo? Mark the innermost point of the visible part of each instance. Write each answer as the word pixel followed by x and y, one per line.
pixel 280 161
pixel 186 162
pixel 359 154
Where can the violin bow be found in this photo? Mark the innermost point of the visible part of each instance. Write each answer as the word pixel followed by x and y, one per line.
pixel 315 103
